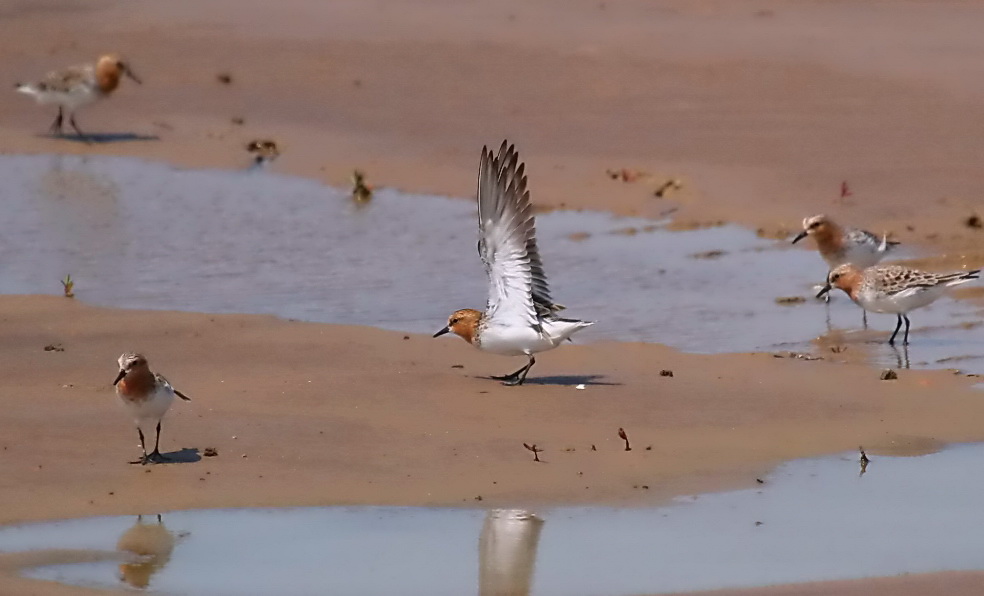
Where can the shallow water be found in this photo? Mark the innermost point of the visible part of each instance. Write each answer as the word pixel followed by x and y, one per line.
pixel 142 235
pixel 812 520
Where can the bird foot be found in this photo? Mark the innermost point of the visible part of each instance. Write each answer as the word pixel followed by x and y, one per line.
pixel 510 380
pixel 153 458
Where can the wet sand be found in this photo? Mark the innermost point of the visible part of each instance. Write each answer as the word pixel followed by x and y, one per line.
pixel 762 109
pixel 294 417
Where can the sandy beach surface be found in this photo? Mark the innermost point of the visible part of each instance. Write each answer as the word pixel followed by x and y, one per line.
pixel 762 109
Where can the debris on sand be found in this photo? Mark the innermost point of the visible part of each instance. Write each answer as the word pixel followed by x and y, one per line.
pixel 533 448
pixel 774 233
pixel 671 184
pixel 210 452
pixel 361 191
pixel 666 373
pixel 624 437
pixel 263 150
pixel 224 78
pixel 709 254
pixel 790 300
pixel 54 348
pixel 797 355
pixel 845 191
pixel 625 174
pixel 888 375
pixel 974 222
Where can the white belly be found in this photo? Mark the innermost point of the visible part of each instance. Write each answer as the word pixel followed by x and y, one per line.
pixel 70 100
pixel 513 340
pixel 861 256
pixel 871 301
pixel 519 340
pixel 148 412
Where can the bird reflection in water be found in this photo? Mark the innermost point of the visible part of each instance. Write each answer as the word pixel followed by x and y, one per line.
pixel 507 552
pixel 150 545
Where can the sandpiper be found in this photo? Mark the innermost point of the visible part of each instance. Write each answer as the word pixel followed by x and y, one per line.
pixel 147 396
pixel 520 317
pixel 76 86
pixel 893 289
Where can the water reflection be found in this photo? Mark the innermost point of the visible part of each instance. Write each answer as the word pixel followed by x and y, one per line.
pixel 151 544
pixel 507 552
pixel 901 516
pixel 901 355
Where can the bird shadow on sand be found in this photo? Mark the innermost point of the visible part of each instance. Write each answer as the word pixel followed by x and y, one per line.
pixel 567 380
pixel 185 455
pixel 103 137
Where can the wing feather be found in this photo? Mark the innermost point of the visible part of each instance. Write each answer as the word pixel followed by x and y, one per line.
pixel 68 79
pixel 160 378
pixel 518 286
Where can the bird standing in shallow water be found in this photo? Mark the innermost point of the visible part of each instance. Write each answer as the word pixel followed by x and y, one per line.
pixel 893 289
pixel 76 86
pixel 147 396
pixel 520 317
pixel 843 244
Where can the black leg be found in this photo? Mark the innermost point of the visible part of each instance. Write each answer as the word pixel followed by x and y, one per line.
pixel 517 377
pixel 56 126
pixel 156 456
pixel 905 338
pixel 82 135
pixel 864 318
pixel 526 370
pixel 898 326
pixel 143 447
pixel 510 377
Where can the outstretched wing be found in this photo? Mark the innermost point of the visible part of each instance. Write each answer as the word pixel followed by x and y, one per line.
pixel 507 240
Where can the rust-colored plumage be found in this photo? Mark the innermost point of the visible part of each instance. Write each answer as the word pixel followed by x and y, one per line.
pixel 464 323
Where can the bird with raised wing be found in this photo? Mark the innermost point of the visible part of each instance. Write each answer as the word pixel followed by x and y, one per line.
pixel 76 86
pixel 893 289
pixel 520 318
pixel 147 396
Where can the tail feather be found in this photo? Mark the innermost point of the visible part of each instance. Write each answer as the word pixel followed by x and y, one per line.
pixel 561 329
pixel 959 277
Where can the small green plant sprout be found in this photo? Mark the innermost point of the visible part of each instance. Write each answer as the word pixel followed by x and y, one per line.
pixel 67 286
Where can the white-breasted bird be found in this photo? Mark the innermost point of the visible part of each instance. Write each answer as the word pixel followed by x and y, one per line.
pixel 520 318
pixel 893 289
pixel 147 396
pixel 76 86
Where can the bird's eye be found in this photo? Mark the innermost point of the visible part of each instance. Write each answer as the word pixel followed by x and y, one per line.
pixel 454 321
pixel 814 225
pixel 835 277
